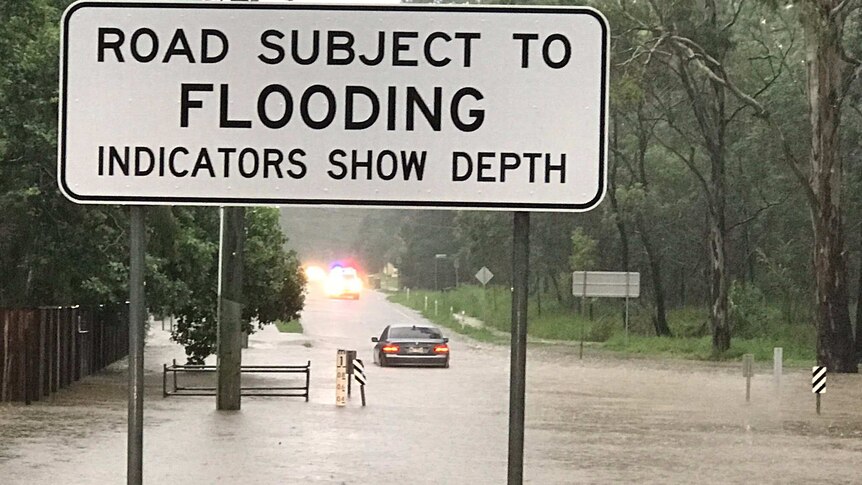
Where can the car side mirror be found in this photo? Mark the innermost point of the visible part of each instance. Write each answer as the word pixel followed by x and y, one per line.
pixel 374 339
pixel 445 340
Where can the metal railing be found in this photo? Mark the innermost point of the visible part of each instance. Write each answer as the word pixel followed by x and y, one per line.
pixel 265 391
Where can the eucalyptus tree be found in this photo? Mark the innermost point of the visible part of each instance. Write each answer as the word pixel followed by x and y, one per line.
pixel 677 32
pixel 832 69
pixel 698 45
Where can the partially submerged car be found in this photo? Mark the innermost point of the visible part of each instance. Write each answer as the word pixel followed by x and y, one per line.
pixel 409 344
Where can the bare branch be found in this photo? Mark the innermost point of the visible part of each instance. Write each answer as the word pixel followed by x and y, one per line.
pixel 758 212
pixel 654 49
pixel 838 8
pixel 694 52
pixel 689 162
pixel 631 17
pixel 846 57
pixel 793 163
pixel 735 16
pixel 845 86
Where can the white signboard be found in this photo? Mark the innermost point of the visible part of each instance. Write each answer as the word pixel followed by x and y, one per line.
pixel 609 284
pixel 261 103
pixel 484 275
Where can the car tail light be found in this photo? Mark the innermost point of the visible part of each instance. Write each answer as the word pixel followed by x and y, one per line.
pixel 391 348
pixel 441 349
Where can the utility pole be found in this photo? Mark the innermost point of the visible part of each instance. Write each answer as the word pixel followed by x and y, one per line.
pixel 230 310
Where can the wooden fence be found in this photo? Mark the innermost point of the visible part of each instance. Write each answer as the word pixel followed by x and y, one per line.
pixel 46 349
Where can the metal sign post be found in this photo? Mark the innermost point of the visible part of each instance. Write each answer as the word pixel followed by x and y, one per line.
pixel 606 284
pixel 137 246
pixel 583 310
pixel 518 359
pixel 484 275
pixel 628 291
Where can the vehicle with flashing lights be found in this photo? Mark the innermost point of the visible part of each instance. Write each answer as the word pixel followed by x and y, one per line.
pixel 343 282
pixel 408 344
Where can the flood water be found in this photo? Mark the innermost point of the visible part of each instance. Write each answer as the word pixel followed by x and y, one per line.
pixel 603 419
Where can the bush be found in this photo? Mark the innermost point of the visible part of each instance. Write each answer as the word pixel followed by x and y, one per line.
pixel 750 315
pixel 603 329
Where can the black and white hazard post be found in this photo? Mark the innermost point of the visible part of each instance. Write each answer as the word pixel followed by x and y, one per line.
pixel 359 374
pixel 341 378
pixel 818 382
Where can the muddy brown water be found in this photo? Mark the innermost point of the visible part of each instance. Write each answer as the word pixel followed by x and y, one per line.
pixel 603 419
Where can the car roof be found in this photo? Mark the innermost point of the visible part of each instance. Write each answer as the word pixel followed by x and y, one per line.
pixel 412 325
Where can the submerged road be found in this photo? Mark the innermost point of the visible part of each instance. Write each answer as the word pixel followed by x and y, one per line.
pixel 601 420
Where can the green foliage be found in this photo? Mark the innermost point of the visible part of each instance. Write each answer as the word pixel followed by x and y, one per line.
pixel 749 313
pixel 424 234
pixel 273 282
pixel 584 248
pixel 292 326
pixel 493 307
pixel 377 244
pixel 691 340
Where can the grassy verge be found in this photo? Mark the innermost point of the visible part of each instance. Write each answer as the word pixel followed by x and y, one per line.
pixel 444 318
pixel 292 326
pixel 552 321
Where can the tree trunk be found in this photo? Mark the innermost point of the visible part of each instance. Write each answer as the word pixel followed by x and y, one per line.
pixel 826 74
pixel 835 346
pixel 618 217
pixel 710 112
pixel 859 309
pixel 557 293
pixel 660 317
pixel 718 285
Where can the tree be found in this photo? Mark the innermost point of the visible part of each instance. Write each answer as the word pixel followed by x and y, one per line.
pixel 831 71
pixel 273 283
pixel 51 251
pixel 378 240
pixel 424 234
pixel 484 239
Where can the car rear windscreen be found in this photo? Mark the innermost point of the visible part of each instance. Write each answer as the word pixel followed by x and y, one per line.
pixel 415 332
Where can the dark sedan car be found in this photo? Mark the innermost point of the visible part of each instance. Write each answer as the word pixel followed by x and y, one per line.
pixel 421 345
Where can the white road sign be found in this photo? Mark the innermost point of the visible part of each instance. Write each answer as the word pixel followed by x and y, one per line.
pixel 609 284
pixel 484 275
pixel 262 103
